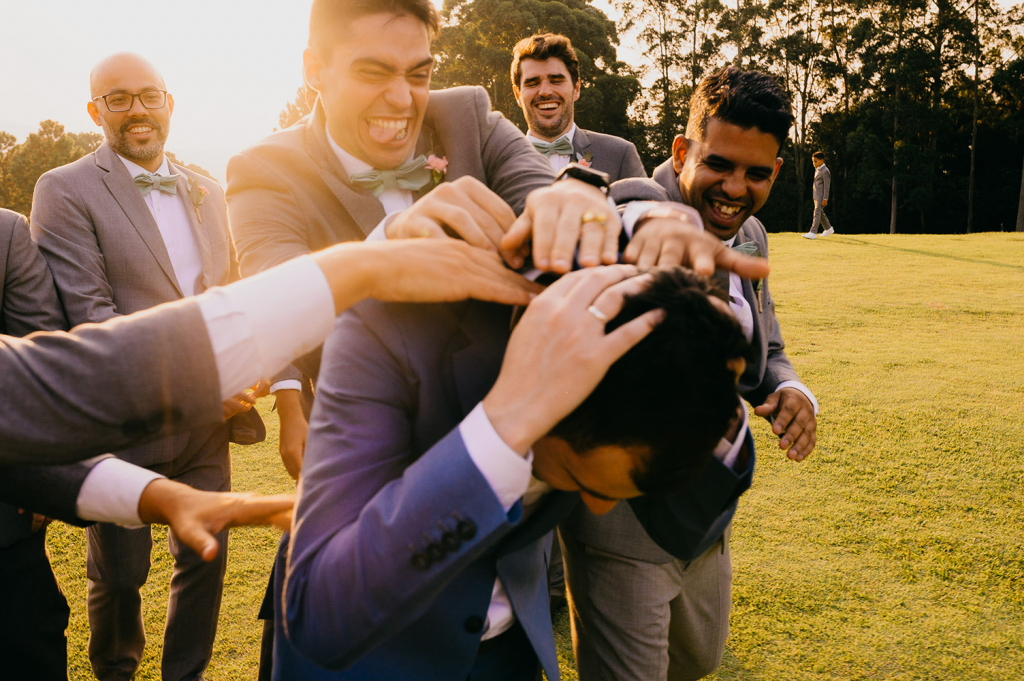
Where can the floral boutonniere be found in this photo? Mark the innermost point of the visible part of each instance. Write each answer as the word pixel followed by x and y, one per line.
pixel 438 168
pixel 587 158
pixel 197 193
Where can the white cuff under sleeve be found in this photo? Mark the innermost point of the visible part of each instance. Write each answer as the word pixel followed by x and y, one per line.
pixel 802 388
pixel 260 324
pixel 111 493
pixel 634 211
pixel 288 384
pixel 379 232
pixel 726 451
pixel 506 472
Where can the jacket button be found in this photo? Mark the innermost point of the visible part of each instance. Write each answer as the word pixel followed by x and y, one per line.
pixel 421 561
pixel 465 530
pixel 474 624
pixel 434 552
pixel 449 542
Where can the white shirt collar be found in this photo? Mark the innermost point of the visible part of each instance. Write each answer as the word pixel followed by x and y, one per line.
pixel 571 134
pixel 730 242
pixel 350 163
pixel 135 169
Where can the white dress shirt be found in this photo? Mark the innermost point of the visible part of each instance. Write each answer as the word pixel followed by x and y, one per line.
pixel 393 200
pixel 557 161
pixel 256 327
pixel 175 227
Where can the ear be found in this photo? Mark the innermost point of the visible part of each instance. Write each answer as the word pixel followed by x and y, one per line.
pixel 170 104
pixel 778 166
pixel 576 91
pixel 515 91
pixel 94 113
pixel 680 145
pixel 312 68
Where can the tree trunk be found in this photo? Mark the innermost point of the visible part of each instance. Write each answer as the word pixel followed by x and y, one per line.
pixel 896 124
pixel 1020 206
pixel 974 125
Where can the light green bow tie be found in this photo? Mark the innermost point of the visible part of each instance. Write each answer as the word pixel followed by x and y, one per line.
pixel 748 248
pixel 412 175
pixel 560 147
pixel 168 184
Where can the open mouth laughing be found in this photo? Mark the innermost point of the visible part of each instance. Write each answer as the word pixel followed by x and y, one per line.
pixel 388 130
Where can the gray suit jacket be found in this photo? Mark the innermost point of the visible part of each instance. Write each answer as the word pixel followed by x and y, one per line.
pixel 289 195
pixel 609 154
pixel 822 182
pixel 28 302
pixel 108 257
pixel 100 388
pixel 619 531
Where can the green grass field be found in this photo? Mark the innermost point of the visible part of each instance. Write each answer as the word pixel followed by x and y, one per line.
pixel 894 552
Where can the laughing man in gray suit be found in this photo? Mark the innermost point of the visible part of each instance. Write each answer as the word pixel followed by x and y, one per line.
pixel 637 612
pixel 822 184
pixel 124 230
pixel 546 82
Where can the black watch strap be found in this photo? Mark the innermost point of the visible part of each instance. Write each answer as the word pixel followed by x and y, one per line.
pixel 585 174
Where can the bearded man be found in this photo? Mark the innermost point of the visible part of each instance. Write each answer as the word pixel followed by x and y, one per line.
pixel 123 230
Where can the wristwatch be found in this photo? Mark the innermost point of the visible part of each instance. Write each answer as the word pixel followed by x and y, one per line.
pixel 585 174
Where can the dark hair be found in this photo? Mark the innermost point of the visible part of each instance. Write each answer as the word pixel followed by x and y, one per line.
pixel 820 155
pixel 673 392
pixel 749 99
pixel 328 19
pixel 544 46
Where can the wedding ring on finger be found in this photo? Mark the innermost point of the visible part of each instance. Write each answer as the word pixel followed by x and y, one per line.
pixel 596 311
pixel 593 216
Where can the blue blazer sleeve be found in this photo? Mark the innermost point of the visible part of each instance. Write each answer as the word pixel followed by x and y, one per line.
pixel 369 510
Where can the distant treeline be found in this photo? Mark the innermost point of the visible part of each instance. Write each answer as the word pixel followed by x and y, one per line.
pixel 914 102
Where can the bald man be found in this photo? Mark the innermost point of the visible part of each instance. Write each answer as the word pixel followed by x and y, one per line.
pixel 123 230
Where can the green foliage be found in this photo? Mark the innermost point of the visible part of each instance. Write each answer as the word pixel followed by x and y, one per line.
pixel 475 48
pixel 293 111
pixel 190 166
pixel 22 164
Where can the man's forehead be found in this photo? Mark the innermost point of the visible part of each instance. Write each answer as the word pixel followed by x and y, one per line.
pixel 533 68
pixel 749 146
pixel 398 41
pixel 126 72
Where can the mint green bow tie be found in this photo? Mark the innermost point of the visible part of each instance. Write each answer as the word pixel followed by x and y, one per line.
pixel 168 184
pixel 412 175
pixel 748 248
pixel 560 147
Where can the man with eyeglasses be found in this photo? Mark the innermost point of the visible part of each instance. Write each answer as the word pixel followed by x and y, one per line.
pixel 124 230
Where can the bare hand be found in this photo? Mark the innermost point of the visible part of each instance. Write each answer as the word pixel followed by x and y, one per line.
pixel 794 421
pixel 464 206
pixel 559 352
pixel 241 402
pixel 39 521
pixel 824 202
pixel 420 271
pixel 294 429
pixel 671 241
pixel 553 218
pixel 196 516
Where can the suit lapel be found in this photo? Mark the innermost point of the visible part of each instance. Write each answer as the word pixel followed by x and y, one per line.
pixel 666 176
pixel 199 231
pixel 365 209
pixel 425 147
pixel 581 143
pixel 122 187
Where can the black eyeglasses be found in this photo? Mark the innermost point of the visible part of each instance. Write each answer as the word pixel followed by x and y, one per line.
pixel 119 102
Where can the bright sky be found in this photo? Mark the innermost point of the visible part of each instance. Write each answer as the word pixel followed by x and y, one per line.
pixel 230 64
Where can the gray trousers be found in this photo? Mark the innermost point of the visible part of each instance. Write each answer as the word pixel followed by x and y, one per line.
pixel 638 621
pixel 117 565
pixel 819 217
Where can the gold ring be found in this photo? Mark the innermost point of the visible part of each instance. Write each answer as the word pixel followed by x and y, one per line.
pixel 598 313
pixel 592 216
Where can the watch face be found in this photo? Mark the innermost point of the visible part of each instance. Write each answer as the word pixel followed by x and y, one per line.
pixel 588 175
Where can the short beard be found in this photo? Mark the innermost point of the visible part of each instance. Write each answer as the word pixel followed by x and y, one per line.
pixel 558 128
pixel 135 152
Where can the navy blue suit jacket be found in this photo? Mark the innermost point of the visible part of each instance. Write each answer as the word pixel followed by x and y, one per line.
pixel 381 579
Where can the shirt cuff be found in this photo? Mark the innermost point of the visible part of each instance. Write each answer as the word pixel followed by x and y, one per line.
pixel 727 452
pixel 111 493
pixel 260 324
pixel 379 232
pixel 802 388
pixel 634 211
pixel 507 473
pixel 289 384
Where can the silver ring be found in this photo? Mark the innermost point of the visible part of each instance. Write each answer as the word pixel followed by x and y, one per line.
pixel 596 311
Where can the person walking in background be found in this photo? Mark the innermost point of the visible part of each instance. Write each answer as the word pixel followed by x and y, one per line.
pixel 546 83
pixel 822 183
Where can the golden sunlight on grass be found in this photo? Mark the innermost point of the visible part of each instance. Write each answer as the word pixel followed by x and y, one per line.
pixel 892 553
